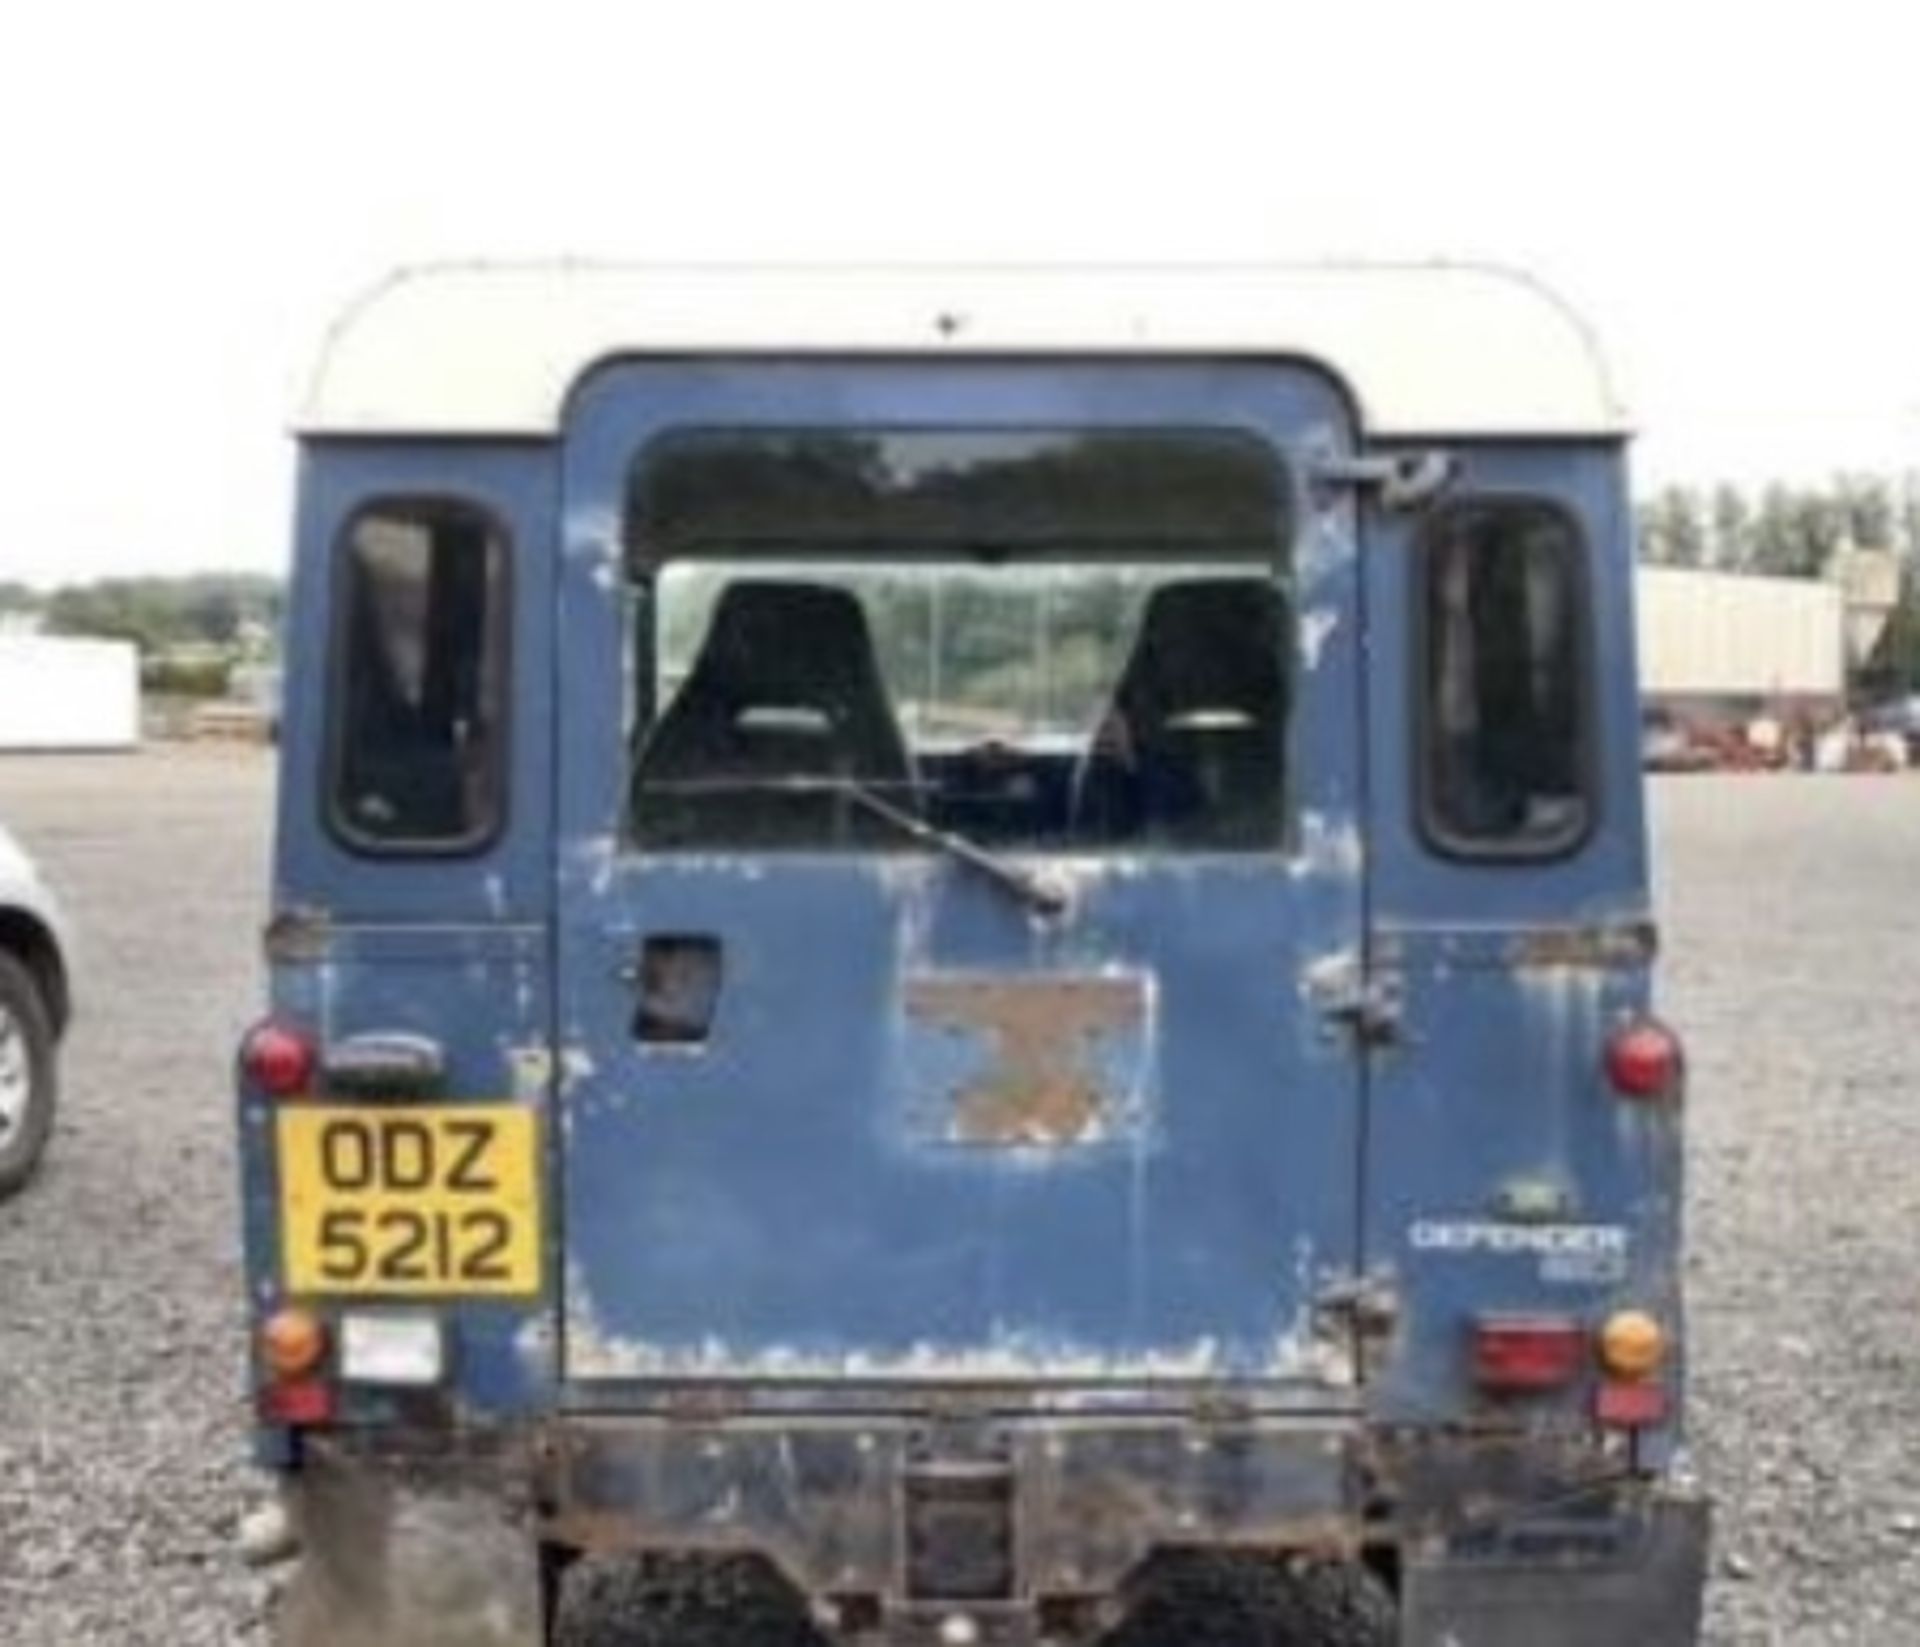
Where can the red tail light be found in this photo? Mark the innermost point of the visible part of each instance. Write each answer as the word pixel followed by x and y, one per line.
pixel 278 1060
pixel 1630 1406
pixel 1644 1060
pixel 298 1401
pixel 1528 1352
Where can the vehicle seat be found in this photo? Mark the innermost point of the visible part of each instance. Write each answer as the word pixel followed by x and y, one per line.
pixel 785 685
pixel 1192 748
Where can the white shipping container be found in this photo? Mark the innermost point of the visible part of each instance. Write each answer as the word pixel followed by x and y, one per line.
pixel 60 692
pixel 1725 634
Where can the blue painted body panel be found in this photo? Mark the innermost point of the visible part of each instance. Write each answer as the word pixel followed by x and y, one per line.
pixel 513 879
pixel 779 1206
pixel 1496 1087
pixel 456 949
pixel 483 992
pixel 789 1204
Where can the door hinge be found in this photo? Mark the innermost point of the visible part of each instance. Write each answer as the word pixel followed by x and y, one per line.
pixel 1369 1304
pixel 1404 481
pixel 1368 1010
pixel 1364 1310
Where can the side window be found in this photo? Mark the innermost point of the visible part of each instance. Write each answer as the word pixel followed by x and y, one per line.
pixel 1505 735
pixel 418 690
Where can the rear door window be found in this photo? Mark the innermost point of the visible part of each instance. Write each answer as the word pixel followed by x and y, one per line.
pixel 1505 706
pixel 418 693
pixel 1043 640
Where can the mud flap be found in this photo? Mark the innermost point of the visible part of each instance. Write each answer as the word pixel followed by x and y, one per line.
pixel 1649 1595
pixel 409 1552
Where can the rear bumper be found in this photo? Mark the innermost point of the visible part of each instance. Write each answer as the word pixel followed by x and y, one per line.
pixel 978 1511
pixel 1017 1525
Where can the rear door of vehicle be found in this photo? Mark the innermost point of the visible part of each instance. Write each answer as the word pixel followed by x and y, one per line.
pixel 1509 1181
pixel 921 1130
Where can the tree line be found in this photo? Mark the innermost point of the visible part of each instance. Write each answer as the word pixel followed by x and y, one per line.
pixel 1783 530
pixel 215 610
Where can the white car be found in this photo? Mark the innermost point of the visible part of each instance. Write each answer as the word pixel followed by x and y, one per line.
pixel 34 1007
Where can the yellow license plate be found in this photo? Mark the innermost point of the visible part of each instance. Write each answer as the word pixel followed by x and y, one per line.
pixel 441 1201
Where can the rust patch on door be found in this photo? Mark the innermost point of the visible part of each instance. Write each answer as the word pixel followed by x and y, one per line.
pixel 1627 943
pixel 1038 1079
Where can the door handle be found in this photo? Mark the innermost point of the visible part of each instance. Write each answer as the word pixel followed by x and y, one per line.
pixel 677 978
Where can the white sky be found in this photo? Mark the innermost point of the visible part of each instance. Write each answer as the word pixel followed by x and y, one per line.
pixel 189 189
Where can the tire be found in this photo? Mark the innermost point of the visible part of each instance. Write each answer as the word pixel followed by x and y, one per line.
pixel 1207 1600
pixel 678 1601
pixel 29 1074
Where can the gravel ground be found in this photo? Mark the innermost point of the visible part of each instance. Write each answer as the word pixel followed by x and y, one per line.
pixel 1792 910
pixel 122 1439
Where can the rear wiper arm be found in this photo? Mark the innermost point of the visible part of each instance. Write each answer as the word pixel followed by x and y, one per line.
pixel 1035 891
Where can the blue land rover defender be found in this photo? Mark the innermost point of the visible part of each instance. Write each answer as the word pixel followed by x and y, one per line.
pixel 965 957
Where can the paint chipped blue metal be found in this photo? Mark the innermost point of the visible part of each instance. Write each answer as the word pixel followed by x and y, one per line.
pixel 1486 978
pixel 1274 1217
pixel 780 1202
pixel 482 992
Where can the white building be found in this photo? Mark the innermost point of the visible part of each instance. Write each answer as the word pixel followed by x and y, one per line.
pixel 1738 641
pixel 62 692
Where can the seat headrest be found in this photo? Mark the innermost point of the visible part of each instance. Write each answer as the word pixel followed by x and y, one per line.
pixel 1207 644
pixel 785 643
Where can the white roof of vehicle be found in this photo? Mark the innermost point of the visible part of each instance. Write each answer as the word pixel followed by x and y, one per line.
pixel 1425 349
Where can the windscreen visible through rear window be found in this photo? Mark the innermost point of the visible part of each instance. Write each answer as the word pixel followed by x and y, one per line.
pixel 418 742
pixel 1044 639
pixel 1505 759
